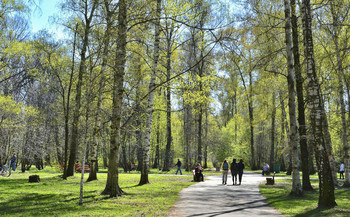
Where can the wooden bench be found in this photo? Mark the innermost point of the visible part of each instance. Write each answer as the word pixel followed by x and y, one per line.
pixel 78 168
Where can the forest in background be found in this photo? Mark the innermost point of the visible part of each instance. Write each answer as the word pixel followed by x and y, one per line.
pixel 146 82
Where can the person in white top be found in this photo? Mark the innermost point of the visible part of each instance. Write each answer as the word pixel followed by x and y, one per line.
pixel 341 170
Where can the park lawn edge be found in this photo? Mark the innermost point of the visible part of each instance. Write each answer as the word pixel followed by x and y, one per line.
pixel 278 196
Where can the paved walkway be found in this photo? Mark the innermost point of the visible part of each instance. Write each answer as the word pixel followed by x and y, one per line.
pixel 211 198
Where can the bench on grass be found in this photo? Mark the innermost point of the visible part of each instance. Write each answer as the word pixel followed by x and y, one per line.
pixel 78 168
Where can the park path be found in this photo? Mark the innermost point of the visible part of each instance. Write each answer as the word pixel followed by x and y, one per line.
pixel 211 198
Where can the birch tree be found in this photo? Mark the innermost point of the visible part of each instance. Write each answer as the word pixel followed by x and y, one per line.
pixel 149 107
pixel 317 114
pixel 296 186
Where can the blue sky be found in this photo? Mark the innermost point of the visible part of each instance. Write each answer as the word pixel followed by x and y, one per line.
pixel 40 18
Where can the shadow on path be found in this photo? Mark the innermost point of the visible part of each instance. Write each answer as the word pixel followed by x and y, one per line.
pixel 211 198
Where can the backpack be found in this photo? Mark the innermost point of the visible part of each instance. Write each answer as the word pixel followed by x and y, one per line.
pixel 234 167
pixel 225 166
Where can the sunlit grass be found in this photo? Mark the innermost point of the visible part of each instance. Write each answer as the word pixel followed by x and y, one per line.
pixel 57 197
pixel 278 196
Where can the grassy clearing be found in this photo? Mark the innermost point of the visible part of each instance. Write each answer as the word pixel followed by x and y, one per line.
pixel 278 197
pixel 57 197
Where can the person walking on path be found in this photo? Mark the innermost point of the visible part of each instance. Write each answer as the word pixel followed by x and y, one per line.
pixel 13 162
pixel 341 170
pixel 178 164
pixel 224 167
pixel 240 170
pixel 234 171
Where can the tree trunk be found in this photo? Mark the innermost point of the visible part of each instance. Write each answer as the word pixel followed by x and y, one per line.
pixel 296 186
pixel 301 108
pixel 66 106
pixel 206 140
pixel 273 124
pixel 167 159
pixel 251 122
pixel 317 115
pixel 97 127
pixel 340 70
pixel 149 111
pixel 112 187
pixel 82 72
pixel 187 135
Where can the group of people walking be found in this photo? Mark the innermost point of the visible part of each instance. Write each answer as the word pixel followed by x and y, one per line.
pixel 12 164
pixel 235 168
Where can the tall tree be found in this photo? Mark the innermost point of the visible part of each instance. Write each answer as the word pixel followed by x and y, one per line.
pixel 317 114
pixel 112 186
pixel 149 109
pixel 335 33
pixel 88 15
pixel 296 186
pixel 97 128
pixel 301 107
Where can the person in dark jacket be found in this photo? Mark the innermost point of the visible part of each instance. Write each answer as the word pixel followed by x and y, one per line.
pixel 240 170
pixel 13 162
pixel 178 164
pixel 197 173
pixel 234 171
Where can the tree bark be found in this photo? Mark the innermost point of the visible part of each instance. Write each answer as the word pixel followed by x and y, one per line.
pixel 112 186
pixel 168 102
pixel 301 107
pixel 149 110
pixel 317 115
pixel 296 186
pixel 273 126
pixel 206 140
pixel 251 122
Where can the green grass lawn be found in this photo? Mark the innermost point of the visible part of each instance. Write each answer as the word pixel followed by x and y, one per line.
pixel 278 197
pixel 57 197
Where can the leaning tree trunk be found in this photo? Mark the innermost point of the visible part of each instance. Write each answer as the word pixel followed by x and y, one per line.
pixel 301 107
pixel 317 115
pixel 340 70
pixel 149 110
pixel 296 186
pixel 112 186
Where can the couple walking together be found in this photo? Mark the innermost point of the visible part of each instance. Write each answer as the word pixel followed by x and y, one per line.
pixel 236 169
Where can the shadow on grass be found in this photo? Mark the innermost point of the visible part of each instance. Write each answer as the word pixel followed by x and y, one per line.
pixel 322 212
pixel 33 204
